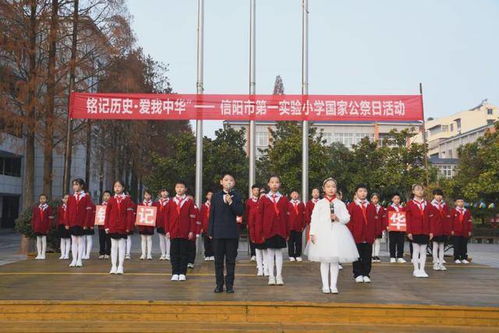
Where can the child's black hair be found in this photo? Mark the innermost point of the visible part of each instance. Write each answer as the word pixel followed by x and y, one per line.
pixel 360 186
pixel 438 192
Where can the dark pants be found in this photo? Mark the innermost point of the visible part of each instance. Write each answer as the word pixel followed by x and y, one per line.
pixel 396 244
pixel 208 246
pixel 460 247
pixel 363 265
pixel 225 249
pixel 179 250
pixel 252 249
pixel 191 255
pixel 104 243
pixel 294 244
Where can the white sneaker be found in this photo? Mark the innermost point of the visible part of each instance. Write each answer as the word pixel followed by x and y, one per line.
pixel 340 267
pixel 334 290
pixel 61 257
pixel 73 263
pixel 182 277
pixel 142 257
pixel 271 281
pixel 423 274
pixel 128 257
pixel 38 257
pixel 149 257
pixel 326 290
pixel 464 261
pixel 167 257
pixel 292 259
pixel 259 273
pixel 42 257
pixel 393 260
pixel 442 267
pixel 367 279
pixel 106 256
pixel 212 258
pixel 457 261
pixel 415 273
pixel 79 264
pixel 299 259
pixel 253 258
pixel 359 279
pixel 401 261
pixel 162 257
pixel 190 265
pixel 436 267
pixel 206 258
pixel 120 270
pixel 279 281
pixel 175 277
pixel 113 270
pixel 101 256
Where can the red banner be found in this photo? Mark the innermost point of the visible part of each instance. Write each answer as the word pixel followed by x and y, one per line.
pixel 247 107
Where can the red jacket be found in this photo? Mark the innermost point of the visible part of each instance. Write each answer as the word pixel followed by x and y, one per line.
pixel 461 223
pixel 296 216
pixel 180 220
pixel 120 215
pixel 79 211
pixel 250 215
pixel 418 222
pixel 40 221
pixel 145 229
pixel 205 216
pixel 273 219
pixel 309 207
pixel 161 213
pixel 362 226
pixel 440 220
pixel 390 208
pixel 62 214
pixel 380 212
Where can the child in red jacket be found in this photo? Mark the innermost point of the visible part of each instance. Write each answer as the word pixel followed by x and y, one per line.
pixel 461 230
pixel 255 233
pixel 164 242
pixel 180 228
pixel 40 222
pixel 273 219
pixel 418 229
pixel 205 217
pixel 440 228
pixel 146 232
pixel 396 238
pixel 380 220
pixel 296 211
pixel 363 224
pixel 79 213
pixel 64 234
pixel 118 223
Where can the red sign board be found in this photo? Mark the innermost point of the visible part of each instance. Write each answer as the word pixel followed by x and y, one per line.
pixel 247 107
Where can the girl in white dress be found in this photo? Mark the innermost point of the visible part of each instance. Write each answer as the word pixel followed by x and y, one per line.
pixel 331 243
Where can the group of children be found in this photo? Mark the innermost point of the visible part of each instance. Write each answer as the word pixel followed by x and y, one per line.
pixel 335 232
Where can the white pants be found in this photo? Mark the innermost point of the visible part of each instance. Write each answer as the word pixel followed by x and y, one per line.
pixel 88 246
pixel 419 256
pixel 77 249
pixel 128 242
pixel 274 257
pixel 146 244
pixel 438 252
pixel 329 269
pixel 41 246
pixel 376 247
pixel 118 253
pixel 65 247
pixel 260 260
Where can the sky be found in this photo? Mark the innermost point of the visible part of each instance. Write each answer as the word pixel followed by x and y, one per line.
pixel 363 47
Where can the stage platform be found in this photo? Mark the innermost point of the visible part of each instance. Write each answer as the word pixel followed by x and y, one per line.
pixel 49 296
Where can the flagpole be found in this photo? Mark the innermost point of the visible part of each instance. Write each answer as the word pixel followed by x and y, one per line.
pixel 252 88
pixel 199 90
pixel 425 138
pixel 304 91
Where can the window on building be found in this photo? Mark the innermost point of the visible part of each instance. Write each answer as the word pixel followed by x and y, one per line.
pixel 450 153
pixel 10 166
pixel 262 139
pixel 490 121
pixel 490 111
pixel 452 127
pixel 328 137
pixel 458 124
pixel 446 171
pixel 445 128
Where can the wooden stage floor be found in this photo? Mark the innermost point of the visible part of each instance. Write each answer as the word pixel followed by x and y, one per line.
pixel 49 294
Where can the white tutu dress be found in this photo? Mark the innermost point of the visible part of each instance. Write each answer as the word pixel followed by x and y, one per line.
pixel 333 240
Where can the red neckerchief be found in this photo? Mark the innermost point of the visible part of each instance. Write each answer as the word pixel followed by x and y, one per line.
pixel 179 204
pixel 274 201
pixel 147 203
pixel 396 207
pixel 332 198
pixel 208 207
pixel 42 209
pixel 295 204
pixel 461 214
pixel 119 198
pixel 363 209
pixel 421 206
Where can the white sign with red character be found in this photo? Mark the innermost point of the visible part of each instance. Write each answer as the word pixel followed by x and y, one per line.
pixel 146 216
pixel 100 214
pixel 396 221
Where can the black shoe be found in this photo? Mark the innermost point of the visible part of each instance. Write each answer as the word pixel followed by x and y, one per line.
pixel 219 289
pixel 230 290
